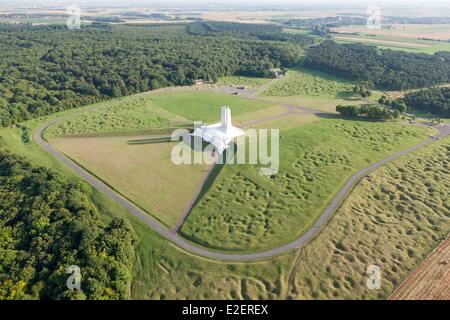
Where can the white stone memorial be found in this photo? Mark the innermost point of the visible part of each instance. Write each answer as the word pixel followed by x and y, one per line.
pixel 220 134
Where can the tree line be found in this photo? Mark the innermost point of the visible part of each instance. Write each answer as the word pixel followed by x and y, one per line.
pixel 372 112
pixel 267 32
pixel 384 69
pixel 433 100
pixel 47 225
pixel 45 69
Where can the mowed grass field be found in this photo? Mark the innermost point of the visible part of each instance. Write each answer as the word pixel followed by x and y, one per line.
pixel 158 109
pixel 245 211
pixel 408 31
pixel 204 105
pixel 141 169
pixel 324 104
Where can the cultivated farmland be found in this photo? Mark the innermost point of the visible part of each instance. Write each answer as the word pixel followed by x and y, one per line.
pixel 431 280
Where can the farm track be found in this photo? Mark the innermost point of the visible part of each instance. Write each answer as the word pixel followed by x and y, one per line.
pixel 173 237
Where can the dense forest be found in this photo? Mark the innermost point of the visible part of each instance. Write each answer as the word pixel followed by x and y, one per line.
pixel 45 69
pixel 434 100
pixel 248 31
pixel 47 225
pixel 385 69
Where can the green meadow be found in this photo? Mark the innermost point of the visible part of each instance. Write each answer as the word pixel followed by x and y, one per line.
pixel 154 110
pixel 243 81
pixel 245 211
pixel 162 271
pixel 393 219
pixel 303 82
pixel 204 105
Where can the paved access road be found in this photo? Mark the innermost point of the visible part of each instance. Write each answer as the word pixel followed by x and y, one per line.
pixel 184 244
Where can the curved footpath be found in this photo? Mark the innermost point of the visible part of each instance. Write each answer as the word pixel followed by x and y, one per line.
pixel 182 243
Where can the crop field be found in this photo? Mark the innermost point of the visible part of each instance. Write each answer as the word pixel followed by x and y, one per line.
pixel 141 169
pixel 409 31
pixel 303 82
pixel 245 211
pixel 396 39
pixel 154 110
pixel 394 218
pixel 259 114
pixel 431 280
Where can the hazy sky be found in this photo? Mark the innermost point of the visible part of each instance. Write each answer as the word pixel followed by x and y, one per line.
pixel 429 7
pixel 231 2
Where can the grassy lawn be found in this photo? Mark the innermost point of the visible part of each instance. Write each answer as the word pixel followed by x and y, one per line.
pixel 203 105
pixel 131 113
pixel 244 211
pixel 303 82
pixel 162 271
pixel 393 219
pixel 243 81
pixel 139 169
pixel 318 103
pixel 370 228
pixel 153 110
pixel 288 122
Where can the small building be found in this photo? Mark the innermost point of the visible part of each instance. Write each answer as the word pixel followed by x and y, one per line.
pixel 199 81
pixel 277 73
pixel 314 45
pixel 220 134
